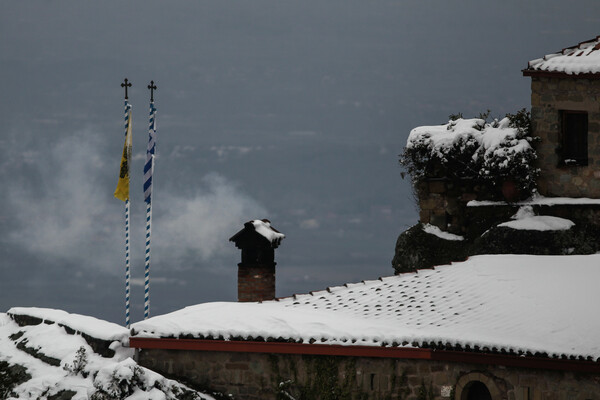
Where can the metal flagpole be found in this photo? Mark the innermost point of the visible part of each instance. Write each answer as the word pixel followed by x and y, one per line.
pixel 148 173
pixel 127 150
pixel 127 270
pixel 147 261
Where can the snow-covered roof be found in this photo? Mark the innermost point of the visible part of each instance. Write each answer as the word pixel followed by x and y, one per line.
pixel 583 58
pixel 544 305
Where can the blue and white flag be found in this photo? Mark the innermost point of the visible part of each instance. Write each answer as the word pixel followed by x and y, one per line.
pixel 149 166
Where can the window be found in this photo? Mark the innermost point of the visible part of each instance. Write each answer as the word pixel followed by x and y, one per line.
pixel 574 132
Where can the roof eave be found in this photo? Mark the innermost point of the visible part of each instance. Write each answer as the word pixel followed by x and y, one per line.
pixel 556 74
pixel 365 351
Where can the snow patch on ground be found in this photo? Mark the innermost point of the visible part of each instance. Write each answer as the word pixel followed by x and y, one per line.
pixel 540 223
pixel 434 230
pixel 525 219
pixel 539 200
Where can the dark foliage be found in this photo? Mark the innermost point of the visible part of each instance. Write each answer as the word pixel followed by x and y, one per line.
pixel 79 364
pixel 63 395
pixel 416 249
pixel 10 377
pixel 467 157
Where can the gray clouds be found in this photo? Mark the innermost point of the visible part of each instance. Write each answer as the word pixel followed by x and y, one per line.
pixel 293 111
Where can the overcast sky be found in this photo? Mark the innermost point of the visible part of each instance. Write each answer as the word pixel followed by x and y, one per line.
pixel 294 111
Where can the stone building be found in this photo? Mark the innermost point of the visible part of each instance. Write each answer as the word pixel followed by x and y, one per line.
pixel 565 116
pixel 510 327
pixel 490 328
pixel 565 113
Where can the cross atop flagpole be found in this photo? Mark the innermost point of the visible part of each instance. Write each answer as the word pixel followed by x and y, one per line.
pixel 126 84
pixel 152 88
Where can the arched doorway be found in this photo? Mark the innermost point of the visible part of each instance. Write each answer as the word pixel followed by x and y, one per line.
pixel 477 385
pixel 476 390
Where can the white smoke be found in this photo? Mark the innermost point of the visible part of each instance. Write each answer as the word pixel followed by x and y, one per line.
pixel 62 212
pixel 201 224
pixel 63 208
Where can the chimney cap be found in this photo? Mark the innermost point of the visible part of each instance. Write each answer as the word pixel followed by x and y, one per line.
pixel 261 228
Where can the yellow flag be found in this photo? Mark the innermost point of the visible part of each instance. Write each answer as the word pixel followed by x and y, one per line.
pixel 122 191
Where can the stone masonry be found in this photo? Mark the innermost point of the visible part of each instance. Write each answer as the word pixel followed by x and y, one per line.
pixel 443 203
pixel 549 96
pixel 254 376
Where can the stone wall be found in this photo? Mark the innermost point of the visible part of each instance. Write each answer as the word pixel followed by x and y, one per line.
pixel 443 203
pixel 550 95
pixel 255 376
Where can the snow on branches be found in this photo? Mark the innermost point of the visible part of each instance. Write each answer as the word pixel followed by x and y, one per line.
pixel 474 149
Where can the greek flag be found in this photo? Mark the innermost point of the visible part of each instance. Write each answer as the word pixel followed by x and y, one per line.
pixel 149 166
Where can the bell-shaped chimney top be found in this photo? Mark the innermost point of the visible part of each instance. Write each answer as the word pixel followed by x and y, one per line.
pixel 256 273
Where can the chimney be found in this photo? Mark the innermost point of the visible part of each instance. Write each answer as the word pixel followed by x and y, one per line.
pixel 256 273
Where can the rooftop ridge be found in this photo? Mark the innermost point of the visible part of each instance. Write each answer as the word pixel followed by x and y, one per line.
pixel 578 46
